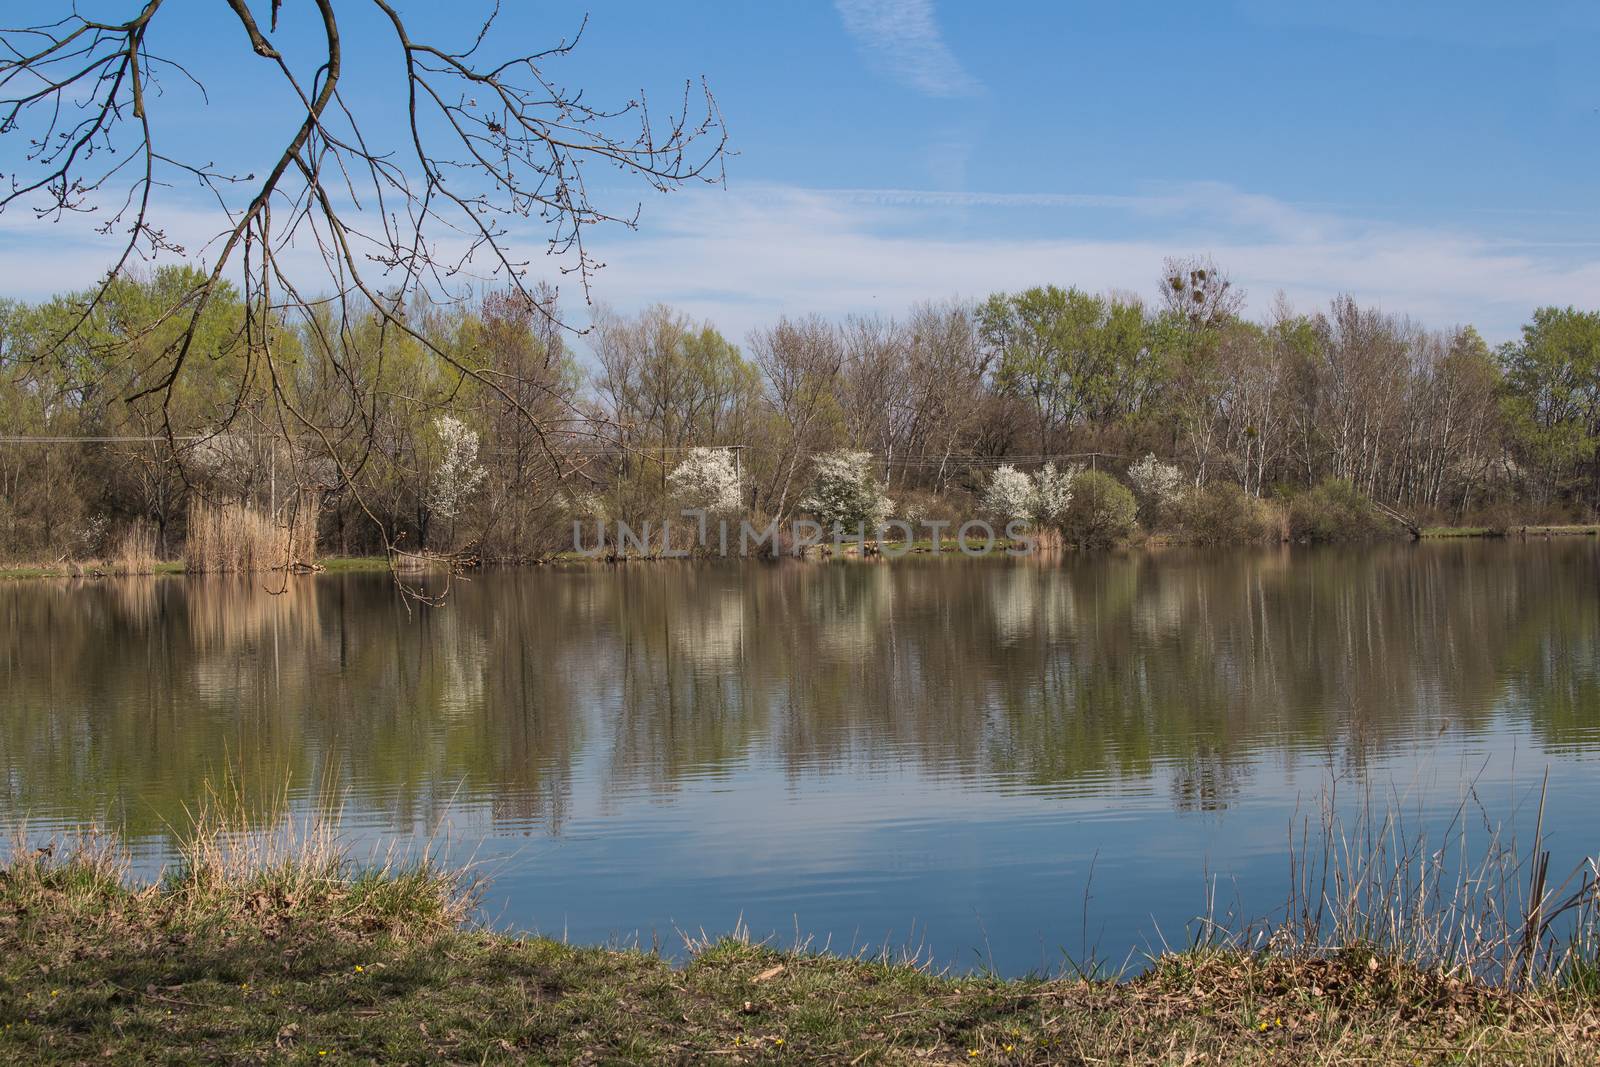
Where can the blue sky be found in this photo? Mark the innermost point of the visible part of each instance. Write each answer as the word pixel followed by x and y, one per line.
pixel 1438 159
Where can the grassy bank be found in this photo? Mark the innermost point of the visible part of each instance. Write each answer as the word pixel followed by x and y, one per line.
pixel 1570 530
pixel 98 569
pixel 380 564
pixel 305 959
pixel 85 569
pixel 896 550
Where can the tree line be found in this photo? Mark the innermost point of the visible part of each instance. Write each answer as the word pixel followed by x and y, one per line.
pixel 524 425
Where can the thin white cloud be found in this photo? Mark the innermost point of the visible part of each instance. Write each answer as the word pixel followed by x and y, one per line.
pixel 1191 199
pixel 903 38
pixel 741 259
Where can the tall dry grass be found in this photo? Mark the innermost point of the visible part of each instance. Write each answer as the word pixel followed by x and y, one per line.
pixel 1474 900
pixel 234 862
pixel 135 553
pixel 240 539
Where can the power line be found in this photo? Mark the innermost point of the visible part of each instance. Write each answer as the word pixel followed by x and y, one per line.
pixel 25 439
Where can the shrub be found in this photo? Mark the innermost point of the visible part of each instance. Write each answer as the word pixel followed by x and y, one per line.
pixel 1157 485
pixel 844 494
pixel 1010 494
pixel 1335 510
pixel 1221 514
pixel 1040 499
pixel 458 473
pixel 1052 493
pixel 921 505
pixel 1101 513
pixel 1499 519
pixel 707 480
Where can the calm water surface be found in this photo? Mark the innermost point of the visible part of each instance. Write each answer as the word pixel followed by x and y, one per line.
pixel 924 754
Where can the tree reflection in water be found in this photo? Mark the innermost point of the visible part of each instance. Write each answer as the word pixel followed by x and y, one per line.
pixel 1178 671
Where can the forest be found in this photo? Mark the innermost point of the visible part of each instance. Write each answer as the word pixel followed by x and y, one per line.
pixel 489 440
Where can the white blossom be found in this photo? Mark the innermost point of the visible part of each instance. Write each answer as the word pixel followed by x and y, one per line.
pixel 707 480
pixel 1157 484
pixel 1010 494
pixel 844 494
pixel 458 473
pixel 1052 492
pixel 1041 498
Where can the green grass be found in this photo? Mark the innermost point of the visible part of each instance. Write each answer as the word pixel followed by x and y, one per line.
pixel 30 571
pixel 296 957
pixel 91 569
pixel 1570 530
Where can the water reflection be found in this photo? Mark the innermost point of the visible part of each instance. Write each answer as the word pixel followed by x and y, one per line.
pixel 660 700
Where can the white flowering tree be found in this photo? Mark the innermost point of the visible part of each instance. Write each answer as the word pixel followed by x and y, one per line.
pixel 228 461
pixel 1052 492
pixel 457 474
pixel 1157 485
pixel 707 480
pixel 1010 494
pixel 1041 498
pixel 844 494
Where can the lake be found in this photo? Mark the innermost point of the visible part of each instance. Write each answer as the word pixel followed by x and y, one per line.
pixel 995 763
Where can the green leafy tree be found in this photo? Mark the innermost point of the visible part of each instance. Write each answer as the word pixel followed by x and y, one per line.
pixel 1062 350
pixel 1553 398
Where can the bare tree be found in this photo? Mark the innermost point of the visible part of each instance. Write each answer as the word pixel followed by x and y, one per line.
pixel 946 367
pixel 802 361
pixel 1196 289
pixel 489 142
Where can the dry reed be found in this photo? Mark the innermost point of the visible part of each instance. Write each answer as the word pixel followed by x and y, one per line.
pixel 240 539
pixel 135 553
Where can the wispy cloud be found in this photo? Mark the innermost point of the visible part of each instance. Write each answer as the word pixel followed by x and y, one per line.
pixel 743 258
pixel 903 38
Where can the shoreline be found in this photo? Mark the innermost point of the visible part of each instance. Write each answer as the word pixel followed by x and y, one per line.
pixel 93 570
pixel 307 960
